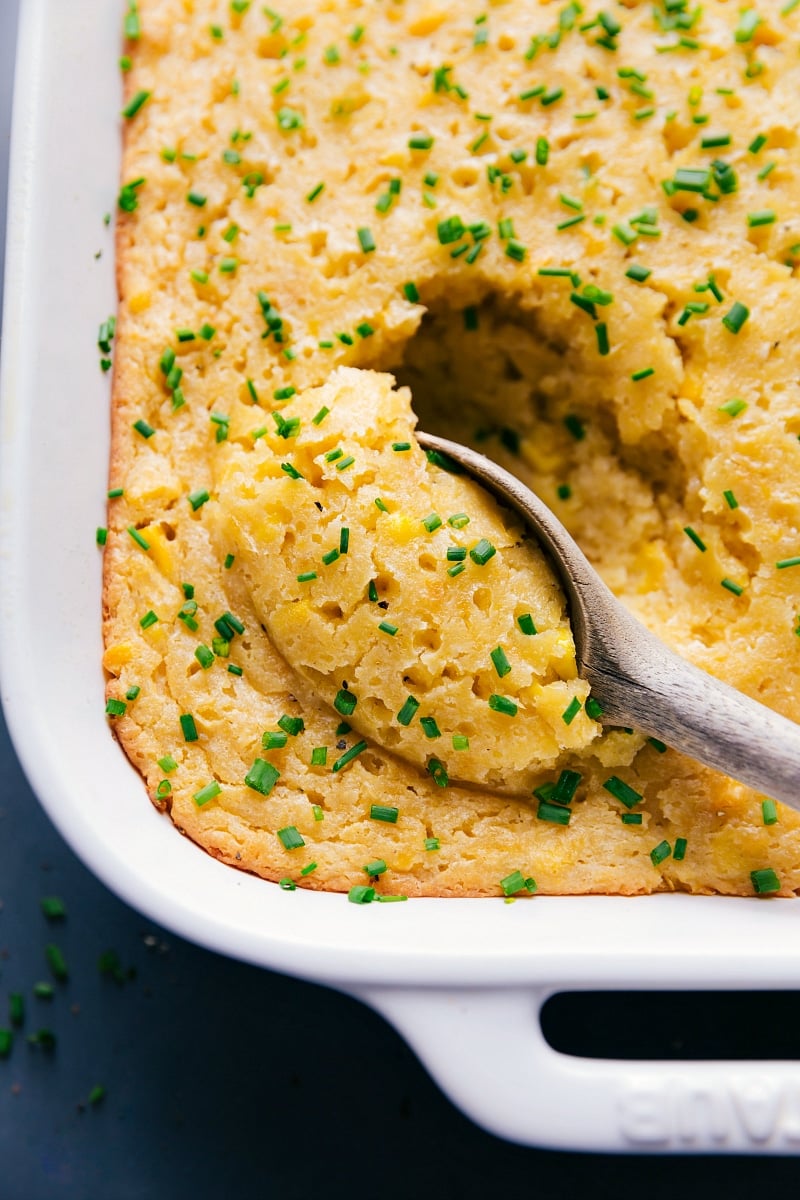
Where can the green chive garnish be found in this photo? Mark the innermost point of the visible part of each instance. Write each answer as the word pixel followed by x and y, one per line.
pixel 503 705
pixel 366 240
pixel 133 106
pixel 554 813
pixel 622 791
pixel 429 727
pixel 571 711
pixel 188 727
pixel 384 812
pixel 56 961
pixel 482 551
pixel 695 537
pixel 408 711
pixel 765 881
pixel 361 894
pixel 769 812
pixel 660 852
pixel 733 407
pixel 731 586
pixel 387 627
pixel 290 838
pixel 782 563
pixel 209 792
pixel 349 755
pixel 735 318
pixel 501 663
pixel 526 625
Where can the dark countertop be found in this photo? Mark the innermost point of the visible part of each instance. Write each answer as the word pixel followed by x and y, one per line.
pixel 221 1075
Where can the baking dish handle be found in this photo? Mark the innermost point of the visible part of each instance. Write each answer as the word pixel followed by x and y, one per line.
pixel 486 1050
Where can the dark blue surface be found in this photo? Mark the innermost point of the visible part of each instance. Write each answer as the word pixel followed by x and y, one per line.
pixel 223 1078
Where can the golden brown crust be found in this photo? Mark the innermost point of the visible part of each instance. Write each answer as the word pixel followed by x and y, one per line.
pixel 656 454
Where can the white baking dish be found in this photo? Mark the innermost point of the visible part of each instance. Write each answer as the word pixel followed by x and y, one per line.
pixel 462 980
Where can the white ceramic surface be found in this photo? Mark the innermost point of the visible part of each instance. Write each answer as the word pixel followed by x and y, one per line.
pixel 462 980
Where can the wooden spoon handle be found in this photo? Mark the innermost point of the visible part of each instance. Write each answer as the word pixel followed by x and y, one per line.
pixel 653 689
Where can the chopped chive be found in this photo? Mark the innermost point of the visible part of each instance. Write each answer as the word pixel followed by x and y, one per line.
pixel 420 141
pixel 460 741
pixel 361 894
pixel 135 104
pixel 287 885
pixel 344 540
pixel 679 853
pixel 101 535
pixel 398 447
pixel 456 569
pixel 526 625
pixel 209 792
pixel 575 427
pixel 376 867
pixel 141 426
pixel 571 711
pixel 198 499
pixel 319 756
pixel 432 522
pixel 42 991
pixel 204 657
pixel 622 791
pixel 657 745
pixel 345 702
pixel 566 787
pixel 290 838
pixel 660 852
pixel 629 818
pixel 458 520
pixel 593 709
pixel 349 755
pixel 735 318
pixel 482 551
pixel 312 866
pixel 570 221
pixel 438 772
pixel 503 705
pixel 315 191
pixel 188 727
pixel 387 627
pixel 408 711
pixel 384 812
pixel 695 537
pixel 115 708
pixel 782 563
pixel 234 669
pixel 53 908
pixel 645 373
pixel 749 20
pixel 319 814
pixel 411 292
pixel 762 216
pixel 501 663
pixel 730 499
pixel 331 556
pixel 148 619
pixel 366 240
pixel 516 882
pixel 638 273
pixel 56 961
pixel 765 881
pixel 555 813
pixel 729 584
pixel 429 727
pixel 601 333
pixel 456 553
pixel 769 812
pixel 320 416
pixel 291 725
pixel 733 407
pixel 262 778
pixel 274 739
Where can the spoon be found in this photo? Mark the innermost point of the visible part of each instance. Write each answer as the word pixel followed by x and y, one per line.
pixel 639 681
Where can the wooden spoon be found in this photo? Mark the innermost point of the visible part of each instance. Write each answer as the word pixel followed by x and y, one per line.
pixel 639 681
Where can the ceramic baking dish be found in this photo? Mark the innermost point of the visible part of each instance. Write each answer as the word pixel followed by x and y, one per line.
pixel 462 980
